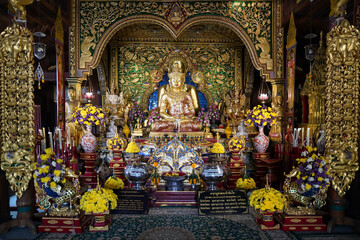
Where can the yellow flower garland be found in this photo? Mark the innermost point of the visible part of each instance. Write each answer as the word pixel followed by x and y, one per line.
pixel 245 183
pixel 267 200
pixel 218 148
pixel 98 200
pixel 114 183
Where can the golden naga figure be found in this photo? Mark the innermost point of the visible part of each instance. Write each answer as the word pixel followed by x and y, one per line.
pixel 178 103
pixel 19 7
pixel 70 105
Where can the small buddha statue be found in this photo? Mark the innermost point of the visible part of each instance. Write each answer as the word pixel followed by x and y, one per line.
pixel 112 130
pixel 208 134
pixel 76 131
pixel 276 129
pixel 178 103
pixel 138 130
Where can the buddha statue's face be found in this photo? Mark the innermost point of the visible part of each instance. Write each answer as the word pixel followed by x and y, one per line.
pixel 177 80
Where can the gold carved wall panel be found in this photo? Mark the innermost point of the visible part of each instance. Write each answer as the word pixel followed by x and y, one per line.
pixel 135 63
pixel 255 22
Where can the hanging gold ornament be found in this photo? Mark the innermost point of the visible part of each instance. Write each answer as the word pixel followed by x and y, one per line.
pixel 17 106
pixel 342 104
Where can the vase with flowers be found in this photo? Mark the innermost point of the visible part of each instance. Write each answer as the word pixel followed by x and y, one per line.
pixel 98 202
pixel 87 116
pixel 203 118
pixel 136 113
pixel 261 116
pixel 213 114
pixel 268 201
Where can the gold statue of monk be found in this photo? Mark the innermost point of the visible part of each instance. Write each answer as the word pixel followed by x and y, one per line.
pixel 76 131
pixel 178 103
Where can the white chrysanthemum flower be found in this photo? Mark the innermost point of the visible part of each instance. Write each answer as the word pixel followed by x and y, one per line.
pixel 311 179
pixel 316 186
pixel 309 167
pixel 320 170
pixel 310 159
pixel 56 179
pixel 53 163
pixel 303 154
pixel 36 173
pixel 326 180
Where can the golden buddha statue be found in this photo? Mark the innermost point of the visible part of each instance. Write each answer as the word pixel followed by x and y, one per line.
pixel 76 131
pixel 178 103
pixel 276 129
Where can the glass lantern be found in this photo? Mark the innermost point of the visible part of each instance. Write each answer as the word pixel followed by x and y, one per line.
pixel 264 94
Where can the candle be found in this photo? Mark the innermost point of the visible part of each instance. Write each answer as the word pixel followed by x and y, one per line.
pixel 51 140
pixel 68 138
pixel 60 138
pixel 294 138
pixel 44 136
pixel 43 145
pixel 302 137
pixel 308 137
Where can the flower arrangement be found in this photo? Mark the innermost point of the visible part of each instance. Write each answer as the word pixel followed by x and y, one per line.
pixel 246 183
pixel 313 171
pixel 132 147
pixel 235 144
pixel 154 116
pixel 213 112
pixel 49 172
pixel 218 148
pixel 115 143
pixel 114 182
pixel 98 200
pixel 261 116
pixel 203 117
pixel 267 200
pixel 88 115
pixel 135 113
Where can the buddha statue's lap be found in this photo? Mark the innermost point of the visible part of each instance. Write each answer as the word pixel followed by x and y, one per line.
pixel 177 105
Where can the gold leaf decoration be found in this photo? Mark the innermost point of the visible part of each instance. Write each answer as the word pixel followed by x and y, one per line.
pixel 342 105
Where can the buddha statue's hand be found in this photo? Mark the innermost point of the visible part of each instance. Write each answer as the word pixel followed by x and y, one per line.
pixel 185 119
pixel 170 119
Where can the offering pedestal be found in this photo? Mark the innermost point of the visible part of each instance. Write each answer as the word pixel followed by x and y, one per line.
pixel 261 168
pixel 64 224
pixel 164 198
pixel 89 177
pixel 300 223
pixel 118 164
pixel 236 164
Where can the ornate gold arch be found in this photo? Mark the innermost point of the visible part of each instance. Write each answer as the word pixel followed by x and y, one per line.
pixel 263 50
